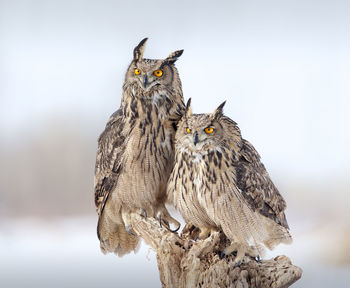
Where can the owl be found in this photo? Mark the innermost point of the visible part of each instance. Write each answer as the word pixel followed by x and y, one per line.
pixel 135 152
pixel 219 184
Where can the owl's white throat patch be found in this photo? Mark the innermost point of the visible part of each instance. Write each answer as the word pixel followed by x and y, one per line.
pixel 158 96
pixel 195 157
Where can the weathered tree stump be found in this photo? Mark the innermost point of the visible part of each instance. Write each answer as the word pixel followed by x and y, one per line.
pixel 183 262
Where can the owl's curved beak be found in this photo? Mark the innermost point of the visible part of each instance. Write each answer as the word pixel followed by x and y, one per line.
pixel 145 81
pixel 195 139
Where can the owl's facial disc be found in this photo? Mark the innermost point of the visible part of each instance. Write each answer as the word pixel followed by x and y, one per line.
pixel 150 80
pixel 147 80
pixel 200 139
pixel 150 73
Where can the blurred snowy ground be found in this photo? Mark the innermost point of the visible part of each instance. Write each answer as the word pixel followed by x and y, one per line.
pixel 65 253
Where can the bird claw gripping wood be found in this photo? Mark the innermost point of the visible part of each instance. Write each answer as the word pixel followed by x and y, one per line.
pixel 128 229
pixel 143 213
pixel 166 220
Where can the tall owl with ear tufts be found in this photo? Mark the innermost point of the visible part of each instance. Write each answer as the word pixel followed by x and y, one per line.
pixel 135 153
pixel 219 183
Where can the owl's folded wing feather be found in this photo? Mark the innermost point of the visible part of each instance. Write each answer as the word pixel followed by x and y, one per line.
pixel 257 186
pixel 108 159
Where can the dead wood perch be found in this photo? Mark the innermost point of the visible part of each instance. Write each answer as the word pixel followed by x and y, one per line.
pixel 183 262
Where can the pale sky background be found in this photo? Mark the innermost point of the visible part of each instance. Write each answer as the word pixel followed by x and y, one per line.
pixel 282 66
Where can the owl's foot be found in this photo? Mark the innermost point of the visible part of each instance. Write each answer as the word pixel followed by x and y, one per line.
pixel 241 250
pixel 205 233
pixel 143 213
pixel 160 219
pixel 165 219
pixel 237 261
pixel 128 229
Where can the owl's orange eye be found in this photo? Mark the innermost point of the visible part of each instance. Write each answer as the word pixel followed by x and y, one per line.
pixel 158 73
pixel 137 71
pixel 188 130
pixel 209 130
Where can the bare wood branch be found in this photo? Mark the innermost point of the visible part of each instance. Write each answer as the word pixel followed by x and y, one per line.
pixel 183 262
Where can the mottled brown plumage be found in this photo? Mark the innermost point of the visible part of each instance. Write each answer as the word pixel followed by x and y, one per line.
pixel 219 183
pixel 136 150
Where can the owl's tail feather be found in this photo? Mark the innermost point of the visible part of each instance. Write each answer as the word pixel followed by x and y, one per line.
pixel 115 239
pixel 277 234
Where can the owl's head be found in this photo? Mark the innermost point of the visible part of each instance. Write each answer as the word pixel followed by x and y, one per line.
pixel 202 133
pixel 150 74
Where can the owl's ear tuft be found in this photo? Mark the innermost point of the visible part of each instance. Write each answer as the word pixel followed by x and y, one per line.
pixel 139 49
pixel 171 59
pixel 219 111
pixel 188 111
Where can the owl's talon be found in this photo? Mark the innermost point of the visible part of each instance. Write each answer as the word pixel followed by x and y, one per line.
pixel 205 233
pixel 160 220
pixel 165 219
pixel 143 213
pixel 128 229
pixel 237 264
pixel 175 230
pixel 221 254
pixel 167 226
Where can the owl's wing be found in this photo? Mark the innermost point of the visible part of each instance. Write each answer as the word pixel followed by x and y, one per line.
pixel 108 160
pixel 257 187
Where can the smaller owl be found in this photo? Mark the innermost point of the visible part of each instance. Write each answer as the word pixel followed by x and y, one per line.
pixel 219 184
